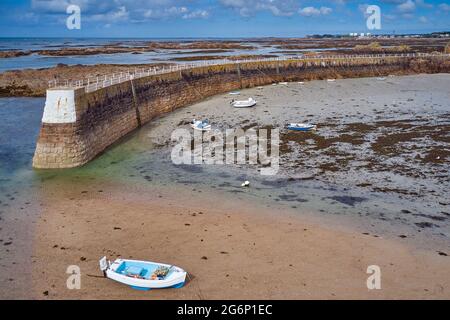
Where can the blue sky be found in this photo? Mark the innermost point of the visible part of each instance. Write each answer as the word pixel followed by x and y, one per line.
pixel 217 18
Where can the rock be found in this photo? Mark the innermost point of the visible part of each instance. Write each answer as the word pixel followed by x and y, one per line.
pixel 425 224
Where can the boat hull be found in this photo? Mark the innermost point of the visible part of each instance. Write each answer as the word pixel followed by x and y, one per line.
pixel 174 279
pixel 244 106
pixel 177 286
pixel 300 129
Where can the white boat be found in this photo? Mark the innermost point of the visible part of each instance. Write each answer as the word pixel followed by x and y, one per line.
pixel 245 184
pixel 301 82
pixel 301 126
pixel 381 78
pixel 331 80
pixel 250 102
pixel 201 125
pixel 283 83
pixel 234 93
pixel 143 275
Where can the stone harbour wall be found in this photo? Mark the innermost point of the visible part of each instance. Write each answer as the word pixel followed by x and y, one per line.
pixel 77 126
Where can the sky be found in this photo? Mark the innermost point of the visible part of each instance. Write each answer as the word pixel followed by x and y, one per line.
pixel 218 18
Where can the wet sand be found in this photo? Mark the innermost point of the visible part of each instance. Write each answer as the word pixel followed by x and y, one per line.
pixel 383 146
pixel 233 249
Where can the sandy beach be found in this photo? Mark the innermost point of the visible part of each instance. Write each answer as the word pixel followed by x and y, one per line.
pixel 235 250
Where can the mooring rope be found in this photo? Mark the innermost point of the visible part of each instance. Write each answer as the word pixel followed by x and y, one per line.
pixel 200 294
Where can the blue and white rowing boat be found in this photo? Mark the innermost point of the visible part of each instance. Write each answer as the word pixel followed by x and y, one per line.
pixel 143 275
pixel 301 126
pixel 201 125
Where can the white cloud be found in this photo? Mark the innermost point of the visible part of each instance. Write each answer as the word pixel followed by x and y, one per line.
pixel 164 12
pixel 197 14
pixel 314 12
pixel 112 11
pixel 248 8
pixel 407 7
pixel 87 6
pixel 50 6
pixel 120 14
pixel 423 19
pixel 444 7
pixel 423 4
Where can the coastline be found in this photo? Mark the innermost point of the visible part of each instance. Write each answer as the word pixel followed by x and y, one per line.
pixel 33 82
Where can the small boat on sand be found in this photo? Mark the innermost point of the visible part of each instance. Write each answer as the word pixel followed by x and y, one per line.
pixel 283 83
pixel 234 93
pixel 301 126
pixel 381 78
pixel 250 102
pixel 143 275
pixel 201 125
pixel 331 80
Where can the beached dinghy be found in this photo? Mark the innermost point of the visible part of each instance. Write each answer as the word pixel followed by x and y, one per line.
pixel 301 127
pixel 234 93
pixel 143 275
pixel 201 125
pixel 250 102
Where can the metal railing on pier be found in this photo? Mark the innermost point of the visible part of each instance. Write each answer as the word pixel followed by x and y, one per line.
pixel 94 83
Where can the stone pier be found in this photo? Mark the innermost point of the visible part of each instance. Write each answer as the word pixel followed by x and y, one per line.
pixel 78 125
